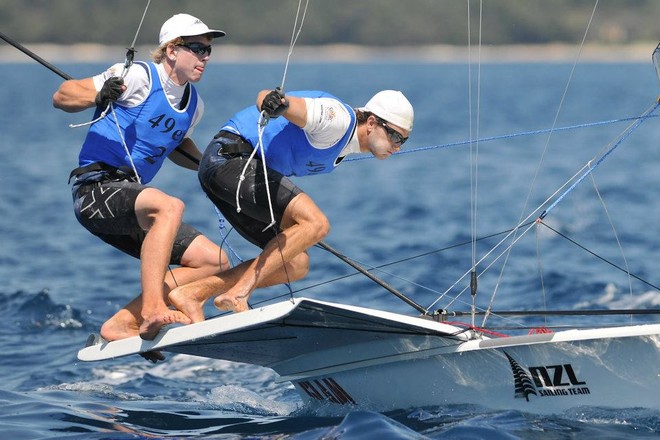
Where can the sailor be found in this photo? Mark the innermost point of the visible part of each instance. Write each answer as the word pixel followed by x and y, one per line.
pixel 144 113
pixel 308 133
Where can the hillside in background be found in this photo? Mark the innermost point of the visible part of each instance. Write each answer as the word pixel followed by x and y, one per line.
pixel 377 23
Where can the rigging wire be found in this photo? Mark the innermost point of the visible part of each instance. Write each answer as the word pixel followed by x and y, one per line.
pixel 474 158
pixel 474 148
pixel 551 202
pixel 481 311
pixel 474 145
pixel 263 117
pixel 261 125
pixel 130 52
pixel 655 57
pixel 625 270
pixel 224 235
pixel 543 153
pixel 509 136
pixel 128 62
pixel 616 235
pixel 597 161
pixel 294 38
pixel 539 264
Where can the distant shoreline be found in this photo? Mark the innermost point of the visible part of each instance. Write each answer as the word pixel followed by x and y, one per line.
pixel 92 53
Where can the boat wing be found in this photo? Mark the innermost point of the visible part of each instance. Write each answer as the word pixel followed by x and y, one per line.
pixel 277 333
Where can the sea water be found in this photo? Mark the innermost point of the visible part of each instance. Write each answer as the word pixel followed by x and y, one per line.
pixel 58 283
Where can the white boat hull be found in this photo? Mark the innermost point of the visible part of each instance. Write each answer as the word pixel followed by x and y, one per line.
pixel 340 355
pixel 544 377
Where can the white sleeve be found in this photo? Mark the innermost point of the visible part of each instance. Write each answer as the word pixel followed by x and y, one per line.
pixel 327 121
pixel 136 82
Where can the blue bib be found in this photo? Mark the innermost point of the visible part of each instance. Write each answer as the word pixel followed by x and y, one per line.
pixel 286 147
pixel 151 131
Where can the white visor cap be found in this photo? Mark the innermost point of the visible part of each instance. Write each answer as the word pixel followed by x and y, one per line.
pixel 393 107
pixel 185 25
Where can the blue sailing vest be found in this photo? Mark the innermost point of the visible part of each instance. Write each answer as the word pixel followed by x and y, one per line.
pixel 151 131
pixel 286 147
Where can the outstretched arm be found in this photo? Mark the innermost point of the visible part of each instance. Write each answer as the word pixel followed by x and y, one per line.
pixel 296 111
pixel 75 95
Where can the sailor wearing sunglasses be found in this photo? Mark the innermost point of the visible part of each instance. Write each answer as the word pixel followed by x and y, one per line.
pixel 150 112
pixel 309 132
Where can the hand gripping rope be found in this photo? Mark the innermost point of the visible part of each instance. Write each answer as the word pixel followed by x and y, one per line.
pixel 263 121
pixel 261 126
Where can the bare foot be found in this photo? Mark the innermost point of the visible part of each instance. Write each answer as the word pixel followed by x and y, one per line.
pixel 122 326
pixel 119 327
pixel 152 325
pixel 183 298
pixel 233 303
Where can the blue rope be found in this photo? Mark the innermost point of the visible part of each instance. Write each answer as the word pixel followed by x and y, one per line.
pixel 622 137
pixel 224 235
pixel 509 136
pixel 638 120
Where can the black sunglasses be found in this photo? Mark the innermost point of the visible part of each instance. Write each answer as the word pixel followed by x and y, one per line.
pixel 396 137
pixel 197 48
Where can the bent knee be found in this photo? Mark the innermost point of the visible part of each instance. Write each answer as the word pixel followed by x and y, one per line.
pixel 154 205
pixel 170 210
pixel 299 266
pixel 206 255
pixel 321 228
pixel 174 207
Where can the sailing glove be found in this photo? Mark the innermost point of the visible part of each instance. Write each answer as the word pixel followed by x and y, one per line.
pixel 275 104
pixel 110 92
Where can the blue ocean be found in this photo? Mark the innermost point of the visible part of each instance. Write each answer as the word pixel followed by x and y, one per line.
pixel 410 216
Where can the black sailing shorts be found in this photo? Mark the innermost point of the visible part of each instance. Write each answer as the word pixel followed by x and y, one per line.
pixel 219 173
pixel 106 208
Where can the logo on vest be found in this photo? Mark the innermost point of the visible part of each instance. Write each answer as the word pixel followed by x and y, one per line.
pixel 314 168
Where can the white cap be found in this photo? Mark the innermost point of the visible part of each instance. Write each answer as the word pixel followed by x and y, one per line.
pixel 185 25
pixel 393 107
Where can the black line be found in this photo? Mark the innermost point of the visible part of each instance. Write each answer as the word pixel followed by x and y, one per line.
pixel 34 56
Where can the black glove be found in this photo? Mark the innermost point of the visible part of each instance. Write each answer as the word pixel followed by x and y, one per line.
pixel 272 103
pixel 110 91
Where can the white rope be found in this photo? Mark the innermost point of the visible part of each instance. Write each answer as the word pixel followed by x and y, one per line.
pixel 123 142
pixel 294 38
pixel 121 136
pixel 101 116
pixel 261 125
pixel 263 121
pixel 128 62
pixel 241 178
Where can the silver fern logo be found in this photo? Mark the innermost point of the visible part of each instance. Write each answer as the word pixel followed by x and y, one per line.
pixel 522 382
pixel 546 381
